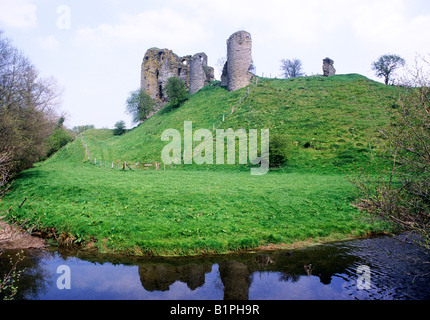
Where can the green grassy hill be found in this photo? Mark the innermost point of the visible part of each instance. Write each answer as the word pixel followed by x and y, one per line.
pixel 328 121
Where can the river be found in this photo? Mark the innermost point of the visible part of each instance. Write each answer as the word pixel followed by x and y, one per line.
pixel 382 268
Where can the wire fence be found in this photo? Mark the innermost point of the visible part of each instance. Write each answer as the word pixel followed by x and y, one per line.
pixel 123 165
pixel 119 165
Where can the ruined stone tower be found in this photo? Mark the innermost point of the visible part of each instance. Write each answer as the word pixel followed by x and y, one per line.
pixel 328 67
pixel 236 73
pixel 161 64
pixel 200 73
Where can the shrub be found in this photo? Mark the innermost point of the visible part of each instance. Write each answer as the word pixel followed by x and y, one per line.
pixel 58 139
pixel 278 150
pixel 176 91
pixel 119 128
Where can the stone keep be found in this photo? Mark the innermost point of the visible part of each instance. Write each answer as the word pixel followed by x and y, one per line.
pixel 236 73
pixel 161 64
pixel 328 67
pixel 158 66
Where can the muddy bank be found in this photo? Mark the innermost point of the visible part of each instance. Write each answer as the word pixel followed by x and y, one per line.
pixel 12 238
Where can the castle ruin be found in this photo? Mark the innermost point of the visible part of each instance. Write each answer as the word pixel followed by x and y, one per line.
pixel 328 67
pixel 236 73
pixel 161 64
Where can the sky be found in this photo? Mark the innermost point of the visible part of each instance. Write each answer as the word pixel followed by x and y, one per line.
pixel 94 48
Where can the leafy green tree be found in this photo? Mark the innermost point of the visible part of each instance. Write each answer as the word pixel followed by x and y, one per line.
pixel 176 91
pixel 119 128
pixel 139 105
pixel 386 65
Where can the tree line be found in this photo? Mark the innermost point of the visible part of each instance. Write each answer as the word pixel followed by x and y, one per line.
pixel 30 128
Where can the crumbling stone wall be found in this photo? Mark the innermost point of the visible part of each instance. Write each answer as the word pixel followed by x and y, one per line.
pixel 161 64
pixel 236 73
pixel 158 66
pixel 200 73
pixel 328 67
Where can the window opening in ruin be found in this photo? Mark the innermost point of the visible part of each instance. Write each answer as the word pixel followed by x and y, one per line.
pixel 179 71
pixel 160 93
pixel 158 74
pixel 184 62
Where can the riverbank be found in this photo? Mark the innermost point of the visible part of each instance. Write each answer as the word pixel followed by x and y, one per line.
pixel 13 238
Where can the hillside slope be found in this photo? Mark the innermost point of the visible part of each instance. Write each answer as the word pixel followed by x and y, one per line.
pixel 328 121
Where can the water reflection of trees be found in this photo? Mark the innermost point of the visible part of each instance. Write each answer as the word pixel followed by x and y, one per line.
pixel 235 272
pixel 32 281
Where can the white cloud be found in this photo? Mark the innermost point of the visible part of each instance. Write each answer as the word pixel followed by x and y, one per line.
pixel 49 42
pixel 160 27
pixel 18 14
pixel 385 23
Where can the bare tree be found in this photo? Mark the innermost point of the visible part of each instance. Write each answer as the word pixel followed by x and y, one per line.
pixel 386 65
pixel 291 68
pixel 221 63
pixel 5 165
pixel 27 107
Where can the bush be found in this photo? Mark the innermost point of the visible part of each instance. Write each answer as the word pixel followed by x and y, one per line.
pixel 119 128
pixel 400 194
pixel 176 91
pixel 58 139
pixel 278 150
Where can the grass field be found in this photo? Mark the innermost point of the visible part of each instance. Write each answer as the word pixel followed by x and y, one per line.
pixel 199 209
pixel 185 211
